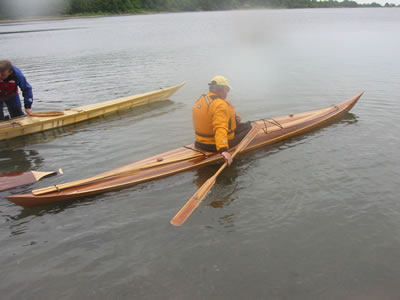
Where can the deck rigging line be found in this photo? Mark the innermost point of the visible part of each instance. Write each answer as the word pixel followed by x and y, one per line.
pixel 196 150
pixel 269 120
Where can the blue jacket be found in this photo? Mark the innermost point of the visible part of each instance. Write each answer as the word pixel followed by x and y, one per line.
pixel 9 89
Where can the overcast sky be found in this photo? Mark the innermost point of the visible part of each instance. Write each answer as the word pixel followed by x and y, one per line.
pixel 382 2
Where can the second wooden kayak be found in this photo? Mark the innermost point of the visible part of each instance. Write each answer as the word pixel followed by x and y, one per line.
pixel 45 121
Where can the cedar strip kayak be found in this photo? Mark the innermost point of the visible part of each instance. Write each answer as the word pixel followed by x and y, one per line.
pixel 48 120
pixel 272 131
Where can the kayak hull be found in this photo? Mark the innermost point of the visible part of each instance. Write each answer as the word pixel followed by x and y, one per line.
pixel 45 121
pixel 171 162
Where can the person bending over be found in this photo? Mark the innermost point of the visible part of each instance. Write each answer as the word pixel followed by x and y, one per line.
pixel 10 79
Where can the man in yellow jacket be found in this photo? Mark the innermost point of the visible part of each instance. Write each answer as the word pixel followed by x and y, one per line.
pixel 217 127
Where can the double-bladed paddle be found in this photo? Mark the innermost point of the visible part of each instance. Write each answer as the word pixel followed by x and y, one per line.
pixel 9 181
pixel 193 202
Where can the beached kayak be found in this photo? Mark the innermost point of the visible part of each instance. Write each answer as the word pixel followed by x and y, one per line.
pixel 48 120
pixel 182 159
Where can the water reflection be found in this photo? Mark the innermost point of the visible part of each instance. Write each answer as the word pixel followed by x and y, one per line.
pixel 20 227
pixel 19 160
pixel 36 30
pixel 349 118
pixel 223 192
pixel 26 215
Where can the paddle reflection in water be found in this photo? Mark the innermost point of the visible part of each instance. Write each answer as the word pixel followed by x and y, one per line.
pixel 224 204
pixel 222 193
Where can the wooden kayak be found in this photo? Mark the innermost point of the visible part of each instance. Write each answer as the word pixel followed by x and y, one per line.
pixel 48 120
pixel 182 159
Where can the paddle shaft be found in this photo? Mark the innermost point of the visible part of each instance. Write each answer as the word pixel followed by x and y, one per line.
pixel 195 200
pixel 76 183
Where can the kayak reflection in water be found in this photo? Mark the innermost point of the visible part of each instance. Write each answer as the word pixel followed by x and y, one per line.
pixel 10 79
pixel 217 127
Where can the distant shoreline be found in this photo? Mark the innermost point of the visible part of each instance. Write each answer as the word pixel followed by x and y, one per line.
pixel 87 16
pixel 65 17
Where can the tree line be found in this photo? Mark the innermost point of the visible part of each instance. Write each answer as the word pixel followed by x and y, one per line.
pixel 86 7
pixel 137 6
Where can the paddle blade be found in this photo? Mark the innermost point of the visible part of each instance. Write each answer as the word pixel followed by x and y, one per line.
pixel 193 202
pixel 9 181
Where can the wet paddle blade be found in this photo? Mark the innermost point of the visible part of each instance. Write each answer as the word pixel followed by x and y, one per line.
pixel 9 181
pixel 193 202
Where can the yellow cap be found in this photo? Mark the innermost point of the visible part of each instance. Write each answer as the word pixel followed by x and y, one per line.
pixel 220 80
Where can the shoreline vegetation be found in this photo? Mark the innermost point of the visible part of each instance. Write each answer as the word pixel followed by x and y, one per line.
pixel 102 8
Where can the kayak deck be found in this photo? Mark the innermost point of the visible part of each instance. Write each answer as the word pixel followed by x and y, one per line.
pixel 32 124
pixel 182 159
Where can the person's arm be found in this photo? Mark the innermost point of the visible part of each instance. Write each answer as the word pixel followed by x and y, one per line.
pixel 26 89
pixel 220 119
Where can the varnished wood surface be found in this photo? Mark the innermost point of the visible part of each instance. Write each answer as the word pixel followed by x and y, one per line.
pixel 274 130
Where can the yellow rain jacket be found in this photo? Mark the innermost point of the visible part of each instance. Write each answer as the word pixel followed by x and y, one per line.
pixel 214 121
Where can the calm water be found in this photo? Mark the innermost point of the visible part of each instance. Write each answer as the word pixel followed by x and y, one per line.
pixel 315 217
